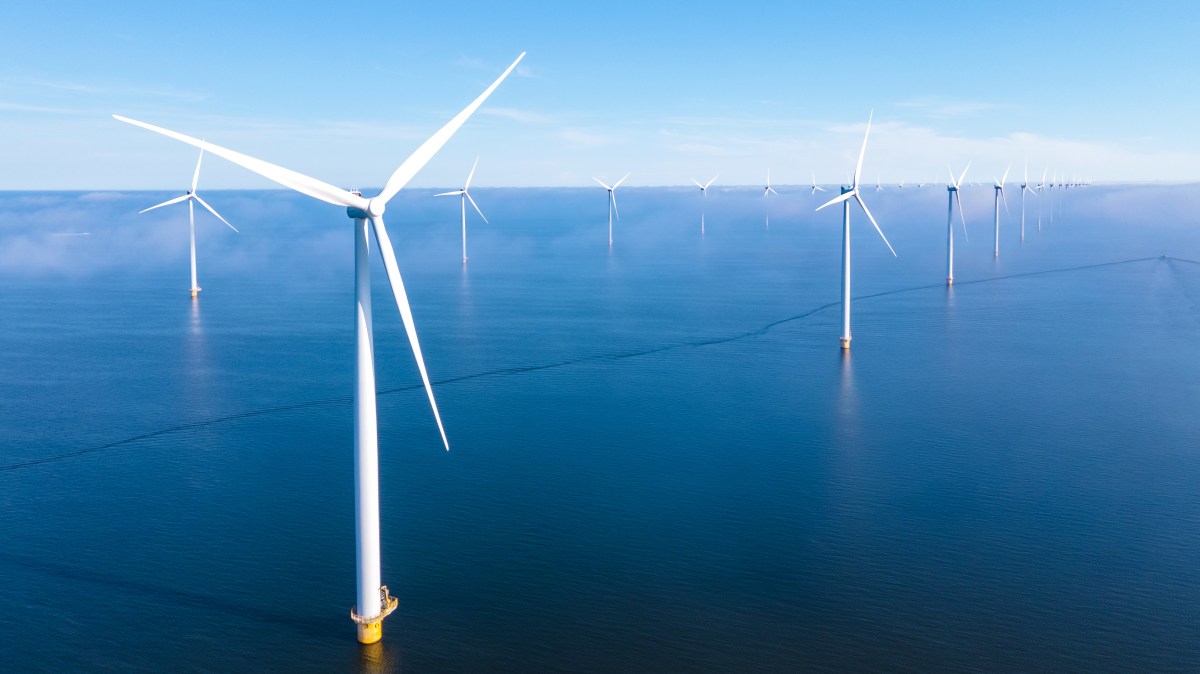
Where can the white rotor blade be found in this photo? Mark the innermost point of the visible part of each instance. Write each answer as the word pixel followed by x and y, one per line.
pixel 196 175
pixel 838 199
pixel 620 181
pixel 471 174
pixel 393 273
pixel 863 152
pixel 963 176
pixel 468 196
pixel 286 177
pixel 602 183
pixel 710 181
pixel 772 190
pixel 168 202
pixel 872 219
pixel 417 160
pixel 697 183
pixel 449 194
pixel 1005 178
pixel 961 216
pixel 1004 200
pixel 613 195
pixel 214 212
pixel 951 172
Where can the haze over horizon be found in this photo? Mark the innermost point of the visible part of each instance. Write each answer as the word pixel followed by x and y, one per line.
pixel 666 93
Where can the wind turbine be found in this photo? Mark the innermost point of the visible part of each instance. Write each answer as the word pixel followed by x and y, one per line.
pixel 612 203
pixel 844 199
pixel 1025 188
pixel 374 602
pixel 999 194
pixel 816 188
pixel 191 197
pixel 466 196
pixel 951 197
pixel 1040 188
pixel 768 190
pixel 703 199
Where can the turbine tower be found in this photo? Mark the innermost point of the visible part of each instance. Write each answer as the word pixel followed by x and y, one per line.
pixel 1025 188
pixel 769 190
pixel 999 195
pixel 847 194
pixel 612 203
pixel 465 197
pixel 374 602
pixel 191 197
pixel 703 199
pixel 951 197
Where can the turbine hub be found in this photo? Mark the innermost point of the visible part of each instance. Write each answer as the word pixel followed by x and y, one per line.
pixel 376 207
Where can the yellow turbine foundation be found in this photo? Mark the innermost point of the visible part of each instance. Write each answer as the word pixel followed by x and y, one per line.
pixel 949 280
pixel 370 630
pixel 845 342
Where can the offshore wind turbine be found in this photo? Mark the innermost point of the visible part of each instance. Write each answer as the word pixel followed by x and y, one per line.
pixel 1025 188
pixel 848 193
pixel 612 203
pixel 999 195
pixel 951 197
pixel 703 199
pixel 374 601
pixel 768 190
pixel 466 196
pixel 815 187
pixel 190 197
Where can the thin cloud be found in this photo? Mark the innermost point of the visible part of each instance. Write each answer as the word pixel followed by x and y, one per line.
pixel 517 115
pixel 944 108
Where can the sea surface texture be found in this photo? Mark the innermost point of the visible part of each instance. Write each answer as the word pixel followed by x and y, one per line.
pixel 661 460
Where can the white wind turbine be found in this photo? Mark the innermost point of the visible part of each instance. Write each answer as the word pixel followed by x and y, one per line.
pixel 191 197
pixel 844 199
pixel 374 602
pixel 1041 187
pixel 466 196
pixel 769 190
pixel 999 195
pixel 612 203
pixel 952 196
pixel 1025 188
pixel 815 187
pixel 703 199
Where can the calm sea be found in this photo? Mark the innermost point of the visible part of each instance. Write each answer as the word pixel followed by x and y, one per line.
pixel 660 458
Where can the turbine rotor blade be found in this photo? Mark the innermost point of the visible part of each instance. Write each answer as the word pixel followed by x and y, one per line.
pixel 963 176
pixel 1005 178
pixel 872 219
pixel 620 181
pixel 168 202
pixel 613 195
pixel 449 194
pixel 602 183
pixel 962 217
pixel 697 183
pixel 417 160
pixel 393 274
pixel 288 178
pixel 838 199
pixel 710 181
pixel 468 196
pixel 196 175
pixel 471 174
pixel 214 212
pixel 863 152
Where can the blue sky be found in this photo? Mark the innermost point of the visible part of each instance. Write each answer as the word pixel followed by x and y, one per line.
pixel 667 91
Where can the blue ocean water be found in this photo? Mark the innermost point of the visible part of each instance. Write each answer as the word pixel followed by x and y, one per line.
pixel 661 460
